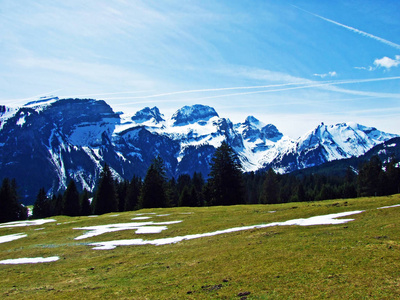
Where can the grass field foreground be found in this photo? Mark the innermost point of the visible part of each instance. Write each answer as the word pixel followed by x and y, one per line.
pixel 356 260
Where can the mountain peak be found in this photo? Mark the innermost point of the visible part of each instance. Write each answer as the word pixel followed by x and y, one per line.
pixel 251 120
pixel 192 114
pixel 147 114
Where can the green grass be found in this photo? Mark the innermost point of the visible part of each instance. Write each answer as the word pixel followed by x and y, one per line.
pixel 356 260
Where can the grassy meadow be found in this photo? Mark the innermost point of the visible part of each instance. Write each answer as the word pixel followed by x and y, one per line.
pixel 356 260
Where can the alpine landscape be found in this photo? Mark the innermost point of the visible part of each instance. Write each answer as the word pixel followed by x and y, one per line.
pixel 199 149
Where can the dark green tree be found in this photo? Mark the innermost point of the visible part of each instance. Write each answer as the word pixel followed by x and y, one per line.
pixel 392 185
pixel 71 201
pixel 133 193
pixel 86 208
pixel 58 206
pixel 225 179
pixel 154 186
pixel 42 205
pixel 10 208
pixel 270 192
pixel 106 198
pixel 369 177
pixel 172 193
pixel 122 191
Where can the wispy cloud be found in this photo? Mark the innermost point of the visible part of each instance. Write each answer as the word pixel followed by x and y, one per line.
pixel 331 84
pixel 329 74
pixel 355 30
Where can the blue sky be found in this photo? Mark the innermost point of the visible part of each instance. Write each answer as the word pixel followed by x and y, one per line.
pixel 294 64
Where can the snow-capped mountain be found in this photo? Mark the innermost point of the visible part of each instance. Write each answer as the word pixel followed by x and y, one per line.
pixel 48 142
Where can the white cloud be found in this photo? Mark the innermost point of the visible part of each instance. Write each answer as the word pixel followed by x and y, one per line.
pixel 329 74
pixel 387 62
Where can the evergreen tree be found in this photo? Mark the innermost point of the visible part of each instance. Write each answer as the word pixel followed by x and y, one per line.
pixel 270 193
pixel 184 199
pixel 86 208
pixel 393 177
pixel 122 191
pixel 172 193
pixel 225 179
pixel 10 208
pixel 58 206
pixel 42 206
pixel 71 201
pixel 106 198
pixel 132 196
pixel 154 186
pixel 369 176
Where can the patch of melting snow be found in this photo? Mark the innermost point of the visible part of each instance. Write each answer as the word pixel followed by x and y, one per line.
pixel 397 205
pixel 93 216
pixel 114 215
pixel 11 237
pixel 164 215
pixel 141 228
pixel 141 218
pixel 145 214
pixel 40 228
pixel 29 260
pixel 317 220
pixel 26 223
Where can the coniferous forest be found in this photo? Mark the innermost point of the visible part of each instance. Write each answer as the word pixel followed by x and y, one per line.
pixel 226 185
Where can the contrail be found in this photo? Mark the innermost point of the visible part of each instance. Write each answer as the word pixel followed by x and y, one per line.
pixel 377 38
pixel 219 89
pixel 304 86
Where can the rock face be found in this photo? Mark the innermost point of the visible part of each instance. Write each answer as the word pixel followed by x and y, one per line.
pixel 49 142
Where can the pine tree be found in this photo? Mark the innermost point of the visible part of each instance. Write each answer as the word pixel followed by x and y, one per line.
pixel 154 186
pixel 270 193
pixel 42 205
pixel 86 208
pixel 369 176
pixel 10 208
pixel 132 196
pixel 106 199
pixel 72 206
pixel 225 179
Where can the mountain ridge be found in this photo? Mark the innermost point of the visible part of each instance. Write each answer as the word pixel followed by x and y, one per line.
pixel 72 138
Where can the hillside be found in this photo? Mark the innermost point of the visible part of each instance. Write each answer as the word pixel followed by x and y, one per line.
pixel 229 252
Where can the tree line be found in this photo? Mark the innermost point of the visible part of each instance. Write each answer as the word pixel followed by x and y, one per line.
pixel 227 184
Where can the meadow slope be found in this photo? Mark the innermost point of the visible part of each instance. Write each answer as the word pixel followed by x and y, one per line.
pixel 353 260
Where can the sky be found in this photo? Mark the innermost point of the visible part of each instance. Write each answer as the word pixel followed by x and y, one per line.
pixel 293 64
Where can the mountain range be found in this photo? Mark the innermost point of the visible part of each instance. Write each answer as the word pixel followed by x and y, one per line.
pixel 46 143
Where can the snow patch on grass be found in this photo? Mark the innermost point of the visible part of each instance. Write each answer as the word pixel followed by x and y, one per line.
pixel 391 206
pixel 317 220
pixel 29 260
pixel 141 218
pixel 141 228
pixel 11 237
pixel 26 223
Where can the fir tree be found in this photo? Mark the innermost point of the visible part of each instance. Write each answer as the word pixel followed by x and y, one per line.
pixel 86 209
pixel 132 196
pixel 10 208
pixel 270 193
pixel 154 186
pixel 225 182
pixel 369 176
pixel 72 206
pixel 42 205
pixel 106 198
